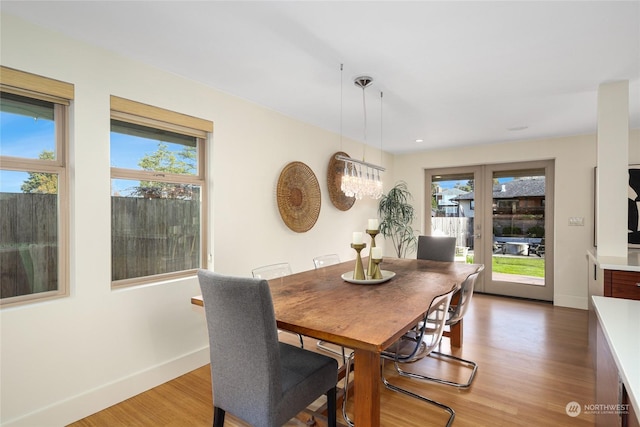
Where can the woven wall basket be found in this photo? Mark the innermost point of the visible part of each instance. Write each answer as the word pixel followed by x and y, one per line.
pixel 334 179
pixel 298 195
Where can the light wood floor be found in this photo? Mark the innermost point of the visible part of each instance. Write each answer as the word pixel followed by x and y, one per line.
pixel 533 360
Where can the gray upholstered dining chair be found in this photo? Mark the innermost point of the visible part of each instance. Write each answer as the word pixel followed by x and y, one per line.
pixel 411 347
pixel 436 248
pixel 457 310
pixel 255 377
pixel 319 262
pixel 274 271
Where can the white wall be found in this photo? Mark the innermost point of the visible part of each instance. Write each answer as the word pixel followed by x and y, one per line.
pixel 575 158
pixel 67 358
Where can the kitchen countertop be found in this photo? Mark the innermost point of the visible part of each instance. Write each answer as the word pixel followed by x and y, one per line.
pixel 620 321
pixel 630 263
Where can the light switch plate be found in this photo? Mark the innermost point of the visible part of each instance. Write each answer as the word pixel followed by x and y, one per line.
pixel 576 221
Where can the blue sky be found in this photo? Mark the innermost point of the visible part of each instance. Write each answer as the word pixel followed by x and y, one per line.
pixel 24 136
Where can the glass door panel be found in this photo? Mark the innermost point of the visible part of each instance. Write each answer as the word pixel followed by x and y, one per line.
pixel 520 218
pixel 518 227
pixel 453 211
pixel 502 217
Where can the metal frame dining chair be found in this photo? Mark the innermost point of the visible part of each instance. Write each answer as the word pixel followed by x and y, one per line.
pixel 411 347
pixel 275 271
pixel 457 310
pixel 257 378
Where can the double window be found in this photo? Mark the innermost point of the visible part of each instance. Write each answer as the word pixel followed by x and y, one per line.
pixel 33 186
pixel 158 193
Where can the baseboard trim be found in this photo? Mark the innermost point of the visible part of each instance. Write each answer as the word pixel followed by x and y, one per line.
pixel 82 405
pixel 571 301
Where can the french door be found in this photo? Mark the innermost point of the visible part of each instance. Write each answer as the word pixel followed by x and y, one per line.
pixel 502 217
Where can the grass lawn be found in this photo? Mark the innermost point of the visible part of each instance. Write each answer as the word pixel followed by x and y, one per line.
pixel 516 265
pixel 524 266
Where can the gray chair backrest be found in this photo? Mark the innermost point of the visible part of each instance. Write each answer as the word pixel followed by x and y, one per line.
pixel 326 260
pixel 243 340
pixel 465 295
pixel 436 248
pixel 272 271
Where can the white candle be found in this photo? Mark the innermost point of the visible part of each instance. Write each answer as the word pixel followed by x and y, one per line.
pixel 373 224
pixel 376 253
pixel 357 238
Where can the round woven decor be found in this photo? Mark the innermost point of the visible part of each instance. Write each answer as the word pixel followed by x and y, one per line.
pixel 334 179
pixel 298 196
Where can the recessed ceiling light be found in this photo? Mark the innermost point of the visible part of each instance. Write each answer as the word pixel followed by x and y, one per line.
pixel 517 128
pixel 419 140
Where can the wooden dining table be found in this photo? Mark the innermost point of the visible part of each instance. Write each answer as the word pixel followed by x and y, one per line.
pixel 367 318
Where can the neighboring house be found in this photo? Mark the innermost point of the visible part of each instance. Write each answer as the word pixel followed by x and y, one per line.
pixel 519 196
pixel 447 202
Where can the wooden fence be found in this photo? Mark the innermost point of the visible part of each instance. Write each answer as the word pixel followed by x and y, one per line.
pixel 28 244
pixel 153 236
pixel 459 227
pixel 149 236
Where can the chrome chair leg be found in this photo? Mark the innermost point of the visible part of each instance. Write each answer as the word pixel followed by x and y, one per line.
pixel 448 409
pixel 347 371
pixel 387 384
pixel 299 337
pixel 468 363
pixel 321 345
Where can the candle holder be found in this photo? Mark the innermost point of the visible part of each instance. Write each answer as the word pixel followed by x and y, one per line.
pixel 377 273
pixel 358 273
pixel 373 234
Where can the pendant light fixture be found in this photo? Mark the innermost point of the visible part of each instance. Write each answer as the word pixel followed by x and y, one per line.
pixel 361 178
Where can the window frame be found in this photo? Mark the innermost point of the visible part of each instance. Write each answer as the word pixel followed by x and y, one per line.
pixel 155 117
pixel 60 94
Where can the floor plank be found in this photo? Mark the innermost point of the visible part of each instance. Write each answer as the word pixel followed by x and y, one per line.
pixel 533 359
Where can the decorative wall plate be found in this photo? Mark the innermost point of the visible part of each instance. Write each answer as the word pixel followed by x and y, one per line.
pixel 298 195
pixel 334 179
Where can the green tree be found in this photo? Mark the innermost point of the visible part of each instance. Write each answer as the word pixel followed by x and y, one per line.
pixel 465 187
pixel 41 182
pixel 165 161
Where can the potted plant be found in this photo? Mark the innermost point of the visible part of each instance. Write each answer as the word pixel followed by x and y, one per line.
pixel 397 214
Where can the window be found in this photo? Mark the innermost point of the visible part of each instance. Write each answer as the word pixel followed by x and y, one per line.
pixel 33 187
pixel 158 193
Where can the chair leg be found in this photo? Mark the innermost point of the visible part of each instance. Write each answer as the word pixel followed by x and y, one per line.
pixel 468 363
pixel 347 370
pixel 299 337
pixel 331 407
pixel 321 345
pixel 218 417
pixel 450 411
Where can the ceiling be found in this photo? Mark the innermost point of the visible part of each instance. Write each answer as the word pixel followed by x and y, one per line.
pixel 451 73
